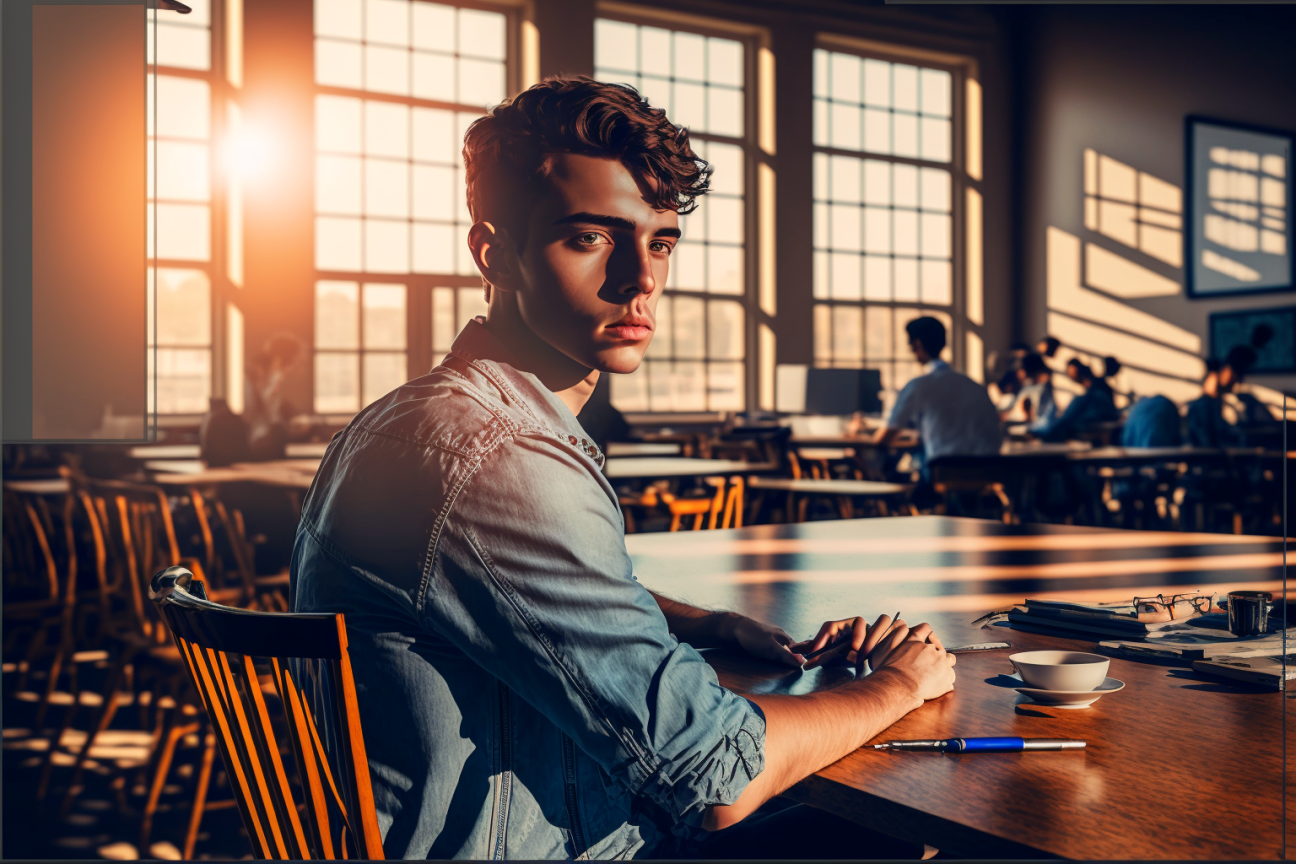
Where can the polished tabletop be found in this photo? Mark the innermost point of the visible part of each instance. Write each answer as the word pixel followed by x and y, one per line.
pixel 646 467
pixel 1178 766
pixel 296 450
pixel 827 487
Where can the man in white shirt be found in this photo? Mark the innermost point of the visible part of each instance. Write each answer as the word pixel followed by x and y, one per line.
pixel 952 413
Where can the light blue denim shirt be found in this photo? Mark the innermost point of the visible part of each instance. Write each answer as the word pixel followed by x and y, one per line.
pixel 952 413
pixel 520 693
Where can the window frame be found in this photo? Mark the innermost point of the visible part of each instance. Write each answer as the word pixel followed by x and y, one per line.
pixel 961 70
pixel 419 353
pixel 753 39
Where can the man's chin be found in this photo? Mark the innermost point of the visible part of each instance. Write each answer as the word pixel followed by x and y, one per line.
pixel 620 360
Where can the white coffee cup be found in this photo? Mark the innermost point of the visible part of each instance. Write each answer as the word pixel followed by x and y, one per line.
pixel 1061 670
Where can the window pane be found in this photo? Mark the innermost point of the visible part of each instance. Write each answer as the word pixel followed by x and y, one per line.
pixel 434 136
pixel 905 135
pixel 384 316
pixel 905 227
pixel 689 105
pixel 660 397
pixel 481 82
pixel 655 51
pixel 464 264
pixel 844 70
pixel 183 231
pixel 630 392
pixel 337 383
pixel 338 64
pixel 688 266
pixel 660 346
pixel 848 335
pixel 688 386
pixel 616 45
pixel 183 171
pixel 845 126
pixel 183 107
pixel 337 124
pixel 387 22
pixel 877 278
pixel 877 333
pixel 823 334
pixel 337 315
pixel 724 111
pixel 821 137
pixel 434 189
pixel 935 189
pixel 936 92
pixel 434 77
pixel 821 276
pixel 936 139
pixel 936 283
pixel 935 235
pixel 481 34
pixel 183 380
pixel 904 87
pixel 444 324
pixel 177 45
pixel 845 221
pixel 688 313
pixel 434 248
pixel 725 62
pixel 821 182
pixel 877 229
pixel 434 26
pixel 387 70
pixel 690 56
pixel 386 129
pixel 337 184
pixel 724 270
pixel 877 83
pixel 877 131
pixel 386 246
pixel 906 279
pixel 724 330
pixel 728 162
pixel 338 18
pixel 387 188
pixel 725 387
pixel 183 307
pixel 472 303
pixel 845 276
pixel 724 219
pixel 383 373
pixel 846 180
pixel 821 85
pixel 877 182
pixel 337 243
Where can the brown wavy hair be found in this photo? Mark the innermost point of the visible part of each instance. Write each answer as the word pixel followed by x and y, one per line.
pixel 508 154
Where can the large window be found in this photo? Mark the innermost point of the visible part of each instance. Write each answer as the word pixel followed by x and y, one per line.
pixel 886 183
pixel 398 83
pixel 180 201
pixel 697 358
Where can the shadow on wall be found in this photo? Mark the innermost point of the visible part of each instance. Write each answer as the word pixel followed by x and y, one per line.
pixel 1090 277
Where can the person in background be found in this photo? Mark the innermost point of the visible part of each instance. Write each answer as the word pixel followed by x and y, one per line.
pixel 1103 382
pixel 1037 389
pixel 268 410
pixel 1153 421
pixel 1250 410
pixel 1048 347
pixel 1091 406
pixel 1204 422
pixel 952 413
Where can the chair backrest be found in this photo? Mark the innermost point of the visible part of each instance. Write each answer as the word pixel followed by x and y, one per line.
pixel 326 809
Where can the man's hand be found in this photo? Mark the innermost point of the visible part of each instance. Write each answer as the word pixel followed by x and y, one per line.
pixel 764 641
pixel 918 658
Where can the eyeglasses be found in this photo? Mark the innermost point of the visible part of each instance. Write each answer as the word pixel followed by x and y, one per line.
pixel 1163 608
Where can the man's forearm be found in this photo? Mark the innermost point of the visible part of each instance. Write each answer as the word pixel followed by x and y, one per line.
pixel 806 733
pixel 701 628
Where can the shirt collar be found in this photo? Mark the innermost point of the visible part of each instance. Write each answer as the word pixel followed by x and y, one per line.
pixel 482 348
pixel 935 365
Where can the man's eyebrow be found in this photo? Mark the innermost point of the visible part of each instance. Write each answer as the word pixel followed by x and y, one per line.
pixel 614 222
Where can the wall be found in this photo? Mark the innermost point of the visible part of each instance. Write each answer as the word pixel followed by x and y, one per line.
pixel 1119 80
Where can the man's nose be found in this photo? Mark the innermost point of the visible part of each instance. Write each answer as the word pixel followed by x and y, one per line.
pixel 639 276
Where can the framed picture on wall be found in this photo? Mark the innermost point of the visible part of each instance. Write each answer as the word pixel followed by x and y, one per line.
pixel 1238 189
pixel 1271 333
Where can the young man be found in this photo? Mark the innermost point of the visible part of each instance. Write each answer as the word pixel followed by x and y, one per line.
pixel 1037 389
pixel 1091 406
pixel 521 694
pixel 952 413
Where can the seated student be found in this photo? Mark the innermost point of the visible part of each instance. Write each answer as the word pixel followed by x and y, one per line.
pixel 952 413
pixel 1103 382
pixel 1152 421
pixel 1250 410
pixel 1037 387
pixel 521 694
pixel 1091 406
pixel 1204 422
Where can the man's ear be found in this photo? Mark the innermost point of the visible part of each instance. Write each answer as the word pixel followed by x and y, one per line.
pixel 495 254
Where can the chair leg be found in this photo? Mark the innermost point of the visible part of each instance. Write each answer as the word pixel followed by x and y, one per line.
pixel 47 770
pixel 200 796
pixel 56 668
pixel 105 717
pixel 159 778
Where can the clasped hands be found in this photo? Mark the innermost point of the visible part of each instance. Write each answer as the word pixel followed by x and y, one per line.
pixel 860 641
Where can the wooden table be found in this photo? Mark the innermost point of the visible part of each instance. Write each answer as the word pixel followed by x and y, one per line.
pixel 1178 766
pixel 285 473
pixel 651 467
pixel 151 452
pixel 643 448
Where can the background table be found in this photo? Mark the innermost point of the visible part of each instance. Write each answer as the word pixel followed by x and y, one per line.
pixel 1178 766
pixel 647 467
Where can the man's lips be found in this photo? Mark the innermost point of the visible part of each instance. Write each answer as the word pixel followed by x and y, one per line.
pixel 630 329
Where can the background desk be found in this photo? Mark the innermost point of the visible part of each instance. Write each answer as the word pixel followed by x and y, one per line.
pixel 1177 766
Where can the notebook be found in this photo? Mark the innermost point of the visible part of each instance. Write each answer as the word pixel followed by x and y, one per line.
pixel 1268 671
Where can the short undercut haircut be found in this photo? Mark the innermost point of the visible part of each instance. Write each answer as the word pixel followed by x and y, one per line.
pixel 509 153
pixel 930 332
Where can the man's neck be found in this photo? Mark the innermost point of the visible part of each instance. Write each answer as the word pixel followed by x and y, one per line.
pixel 570 381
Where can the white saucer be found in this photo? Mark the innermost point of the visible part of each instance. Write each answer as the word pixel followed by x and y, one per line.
pixel 1070 698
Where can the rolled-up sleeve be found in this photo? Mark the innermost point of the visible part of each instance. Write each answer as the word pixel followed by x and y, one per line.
pixel 530 577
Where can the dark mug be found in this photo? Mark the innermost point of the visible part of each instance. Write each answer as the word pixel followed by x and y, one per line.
pixel 1248 612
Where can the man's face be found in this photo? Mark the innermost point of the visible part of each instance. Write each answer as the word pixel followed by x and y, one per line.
pixel 595 263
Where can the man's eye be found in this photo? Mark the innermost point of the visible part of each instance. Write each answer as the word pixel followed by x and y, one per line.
pixel 590 239
pixel 661 247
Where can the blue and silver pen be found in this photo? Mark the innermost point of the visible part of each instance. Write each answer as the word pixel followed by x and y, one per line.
pixel 985 745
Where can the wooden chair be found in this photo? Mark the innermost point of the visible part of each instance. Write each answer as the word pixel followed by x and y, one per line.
pixel 721 510
pixel 328 812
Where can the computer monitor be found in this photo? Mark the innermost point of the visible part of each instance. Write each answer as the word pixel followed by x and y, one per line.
pixel 843 391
